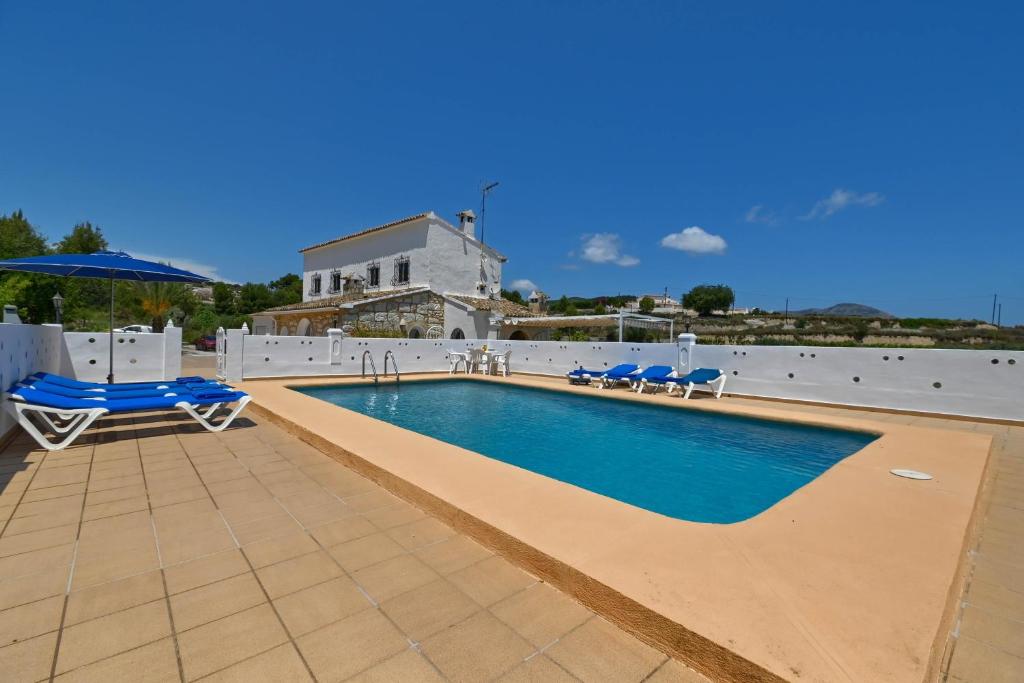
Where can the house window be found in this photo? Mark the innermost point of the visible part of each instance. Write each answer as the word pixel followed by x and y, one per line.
pixel 401 271
pixel 373 275
pixel 314 284
pixel 335 283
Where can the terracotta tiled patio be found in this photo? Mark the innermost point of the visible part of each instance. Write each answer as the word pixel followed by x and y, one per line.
pixel 156 552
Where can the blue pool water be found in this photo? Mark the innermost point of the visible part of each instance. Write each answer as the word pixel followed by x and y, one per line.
pixel 686 464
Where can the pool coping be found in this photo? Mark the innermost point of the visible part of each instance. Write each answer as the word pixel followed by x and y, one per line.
pixel 783 595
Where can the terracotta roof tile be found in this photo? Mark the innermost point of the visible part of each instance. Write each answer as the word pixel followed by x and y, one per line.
pixel 368 231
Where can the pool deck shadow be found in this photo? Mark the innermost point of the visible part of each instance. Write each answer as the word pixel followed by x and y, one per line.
pixel 855 576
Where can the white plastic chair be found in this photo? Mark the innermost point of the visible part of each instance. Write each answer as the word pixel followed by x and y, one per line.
pixel 456 357
pixel 499 362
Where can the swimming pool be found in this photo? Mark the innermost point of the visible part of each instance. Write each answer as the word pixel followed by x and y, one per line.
pixel 687 464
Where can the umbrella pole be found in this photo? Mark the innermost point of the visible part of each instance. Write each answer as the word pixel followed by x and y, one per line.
pixel 110 375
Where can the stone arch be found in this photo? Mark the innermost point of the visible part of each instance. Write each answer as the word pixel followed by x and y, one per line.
pixel 457 333
pixel 303 330
pixel 518 335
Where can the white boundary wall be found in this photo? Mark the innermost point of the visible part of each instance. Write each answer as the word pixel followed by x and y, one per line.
pixel 138 357
pixel 968 382
pixel 25 349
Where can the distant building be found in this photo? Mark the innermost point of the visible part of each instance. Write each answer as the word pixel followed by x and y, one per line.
pixel 420 277
pixel 538 302
pixel 662 304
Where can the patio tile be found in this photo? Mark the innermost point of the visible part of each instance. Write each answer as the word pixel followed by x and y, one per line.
pixel 480 648
pixel 999 632
pixel 37 540
pixel 541 614
pixel 152 663
pixel 366 638
pixel 204 570
pixel 322 514
pixel 29 660
pixel 118 564
pixel 374 499
pixel 227 641
pixel 33 587
pixel 34 561
pixel 394 577
pixel 424 611
pixel 405 666
pixel 36 494
pixel 116 507
pixel 214 601
pixel 676 672
pixel 600 651
pixel 491 580
pixel 420 533
pixel 320 605
pixel 342 530
pixel 453 554
pixel 365 551
pixel 995 599
pixel 182 546
pixel 99 638
pixel 267 527
pixel 537 669
pixel 281 665
pixel 272 550
pixel 113 597
pixel 158 498
pixel 33 619
pixel 976 662
pixel 298 573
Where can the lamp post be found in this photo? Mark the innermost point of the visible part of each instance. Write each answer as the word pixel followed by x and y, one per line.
pixel 58 307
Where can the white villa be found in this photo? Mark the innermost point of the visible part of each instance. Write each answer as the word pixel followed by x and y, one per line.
pixel 418 277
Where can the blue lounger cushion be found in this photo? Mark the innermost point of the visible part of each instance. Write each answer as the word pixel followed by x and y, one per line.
pixel 621 371
pixel 60 390
pixel 700 376
pixel 122 405
pixel 127 386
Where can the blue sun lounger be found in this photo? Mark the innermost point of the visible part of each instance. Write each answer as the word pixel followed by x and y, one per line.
pixel 713 378
pixel 68 416
pixel 636 382
pixel 142 392
pixel 581 376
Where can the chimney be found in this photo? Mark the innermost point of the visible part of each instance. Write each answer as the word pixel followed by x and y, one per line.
pixel 467 222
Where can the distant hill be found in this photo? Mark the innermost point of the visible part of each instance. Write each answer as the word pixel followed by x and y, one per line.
pixel 846 311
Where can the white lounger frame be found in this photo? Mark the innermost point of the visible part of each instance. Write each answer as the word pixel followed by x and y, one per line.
pixel 715 386
pixel 77 420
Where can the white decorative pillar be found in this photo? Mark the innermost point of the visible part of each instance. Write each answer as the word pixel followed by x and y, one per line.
pixel 687 343
pixel 334 337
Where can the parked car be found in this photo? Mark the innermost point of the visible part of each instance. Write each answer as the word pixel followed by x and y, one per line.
pixel 207 343
pixel 138 329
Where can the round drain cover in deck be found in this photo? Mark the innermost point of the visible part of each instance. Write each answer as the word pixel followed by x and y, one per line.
pixel 911 474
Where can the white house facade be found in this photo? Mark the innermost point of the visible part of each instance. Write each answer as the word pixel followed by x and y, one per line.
pixel 417 277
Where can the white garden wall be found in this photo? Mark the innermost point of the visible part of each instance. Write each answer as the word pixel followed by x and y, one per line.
pixel 970 383
pixel 25 349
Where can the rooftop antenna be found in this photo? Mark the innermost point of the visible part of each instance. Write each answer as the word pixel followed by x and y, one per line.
pixel 483 206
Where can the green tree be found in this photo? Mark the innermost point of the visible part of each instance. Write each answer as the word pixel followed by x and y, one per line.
pixel 18 237
pixel 570 309
pixel 157 299
pixel 84 238
pixel 646 304
pixel 223 298
pixel 286 290
pixel 600 309
pixel 708 298
pixel 254 297
pixel 513 296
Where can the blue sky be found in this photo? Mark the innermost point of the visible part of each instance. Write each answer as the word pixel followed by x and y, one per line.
pixel 825 152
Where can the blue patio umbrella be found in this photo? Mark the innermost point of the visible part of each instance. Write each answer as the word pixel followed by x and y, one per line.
pixel 110 265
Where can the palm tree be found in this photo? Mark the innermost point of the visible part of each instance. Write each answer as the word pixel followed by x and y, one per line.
pixel 157 299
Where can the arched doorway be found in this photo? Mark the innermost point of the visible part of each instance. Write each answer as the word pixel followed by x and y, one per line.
pixel 303 328
pixel 415 333
pixel 457 333
pixel 518 335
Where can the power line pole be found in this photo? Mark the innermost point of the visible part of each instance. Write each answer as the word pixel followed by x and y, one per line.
pixel 999 316
pixel 785 321
pixel 994 298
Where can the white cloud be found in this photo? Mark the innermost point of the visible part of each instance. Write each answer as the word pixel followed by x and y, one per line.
pixel 196 267
pixel 758 214
pixel 841 199
pixel 694 240
pixel 606 247
pixel 524 284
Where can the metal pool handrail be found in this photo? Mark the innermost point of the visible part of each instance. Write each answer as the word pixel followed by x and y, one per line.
pixel 372 366
pixel 394 362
